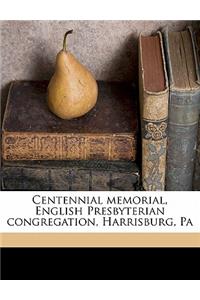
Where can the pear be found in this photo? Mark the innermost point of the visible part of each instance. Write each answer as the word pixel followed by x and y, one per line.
pixel 72 90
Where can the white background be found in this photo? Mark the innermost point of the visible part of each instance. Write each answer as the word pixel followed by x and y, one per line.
pixel 100 10
pixel 101 290
pixel 180 204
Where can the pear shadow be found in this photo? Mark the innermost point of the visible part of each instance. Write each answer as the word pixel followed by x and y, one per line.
pixel 124 67
pixel 124 64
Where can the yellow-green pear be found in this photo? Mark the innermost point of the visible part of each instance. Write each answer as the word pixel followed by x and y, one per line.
pixel 72 90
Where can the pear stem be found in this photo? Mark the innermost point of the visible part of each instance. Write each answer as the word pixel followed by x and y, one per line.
pixel 65 39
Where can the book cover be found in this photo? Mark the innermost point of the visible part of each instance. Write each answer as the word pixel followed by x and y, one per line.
pixel 32 132
pixel 153 110
pixel 51 233
pixel 183 109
